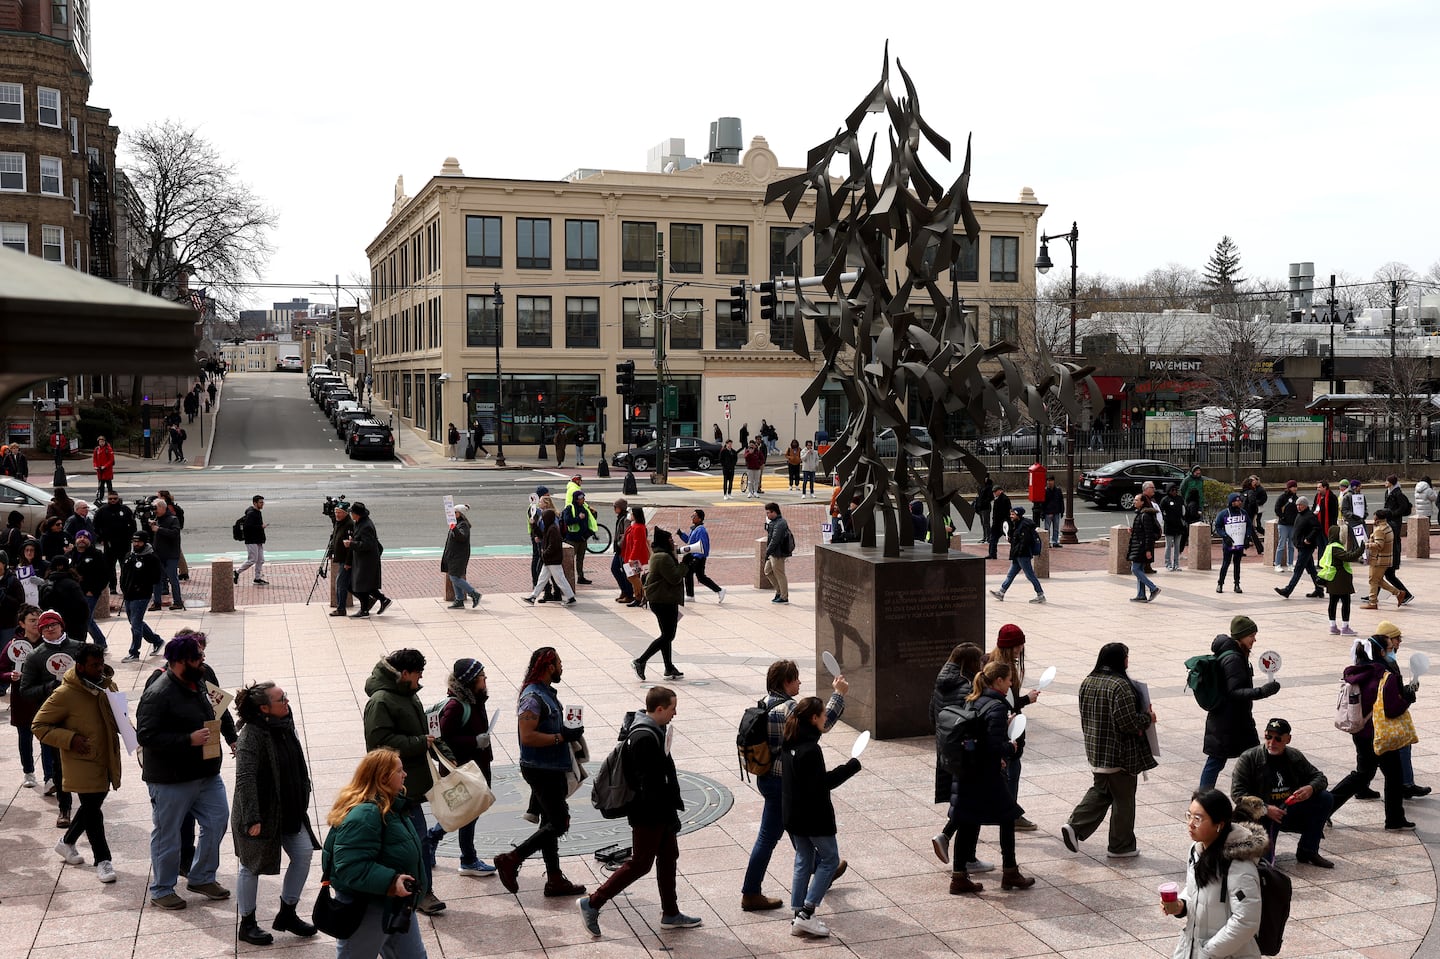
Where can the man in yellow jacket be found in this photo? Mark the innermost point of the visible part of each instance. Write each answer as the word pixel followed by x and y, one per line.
pixel 77 720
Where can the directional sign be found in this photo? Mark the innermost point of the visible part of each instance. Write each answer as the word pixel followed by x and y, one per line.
pixel 727 398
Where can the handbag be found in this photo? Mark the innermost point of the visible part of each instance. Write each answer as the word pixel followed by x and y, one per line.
pixel 1391 734
pixel 330 915
pixel 458 798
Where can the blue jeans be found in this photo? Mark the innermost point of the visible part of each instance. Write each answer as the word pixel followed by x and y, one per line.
pixel 461 588
pixel 465 834
pixel 807 482
pixel 171 575
pixel 139 629
pixel 617 569
pixel 1142 582
pixel 1214 765
pixel 169 803
pixel 1304 562
pixel 416 812
pixel 1173 550
pixel 1023 564
pixel 772 827
pixel 95 633
pixel 816 859
pixel 371 940
pixel 299 851
pixel 1052 523
pixel 342 586
pixel 1284 544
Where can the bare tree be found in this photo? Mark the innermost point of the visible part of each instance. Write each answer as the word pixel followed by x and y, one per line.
pixel 1240 352
pixel 194 217
pixel 1391 278
pixel 1403 395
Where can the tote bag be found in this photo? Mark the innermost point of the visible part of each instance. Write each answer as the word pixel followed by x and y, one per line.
pixel 460 797
pixel 1391 734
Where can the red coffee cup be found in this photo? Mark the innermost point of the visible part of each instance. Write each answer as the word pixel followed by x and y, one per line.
pixel 1169 892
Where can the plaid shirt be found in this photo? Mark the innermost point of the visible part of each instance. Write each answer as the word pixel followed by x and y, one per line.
pixel 1113 725
pixel 780 708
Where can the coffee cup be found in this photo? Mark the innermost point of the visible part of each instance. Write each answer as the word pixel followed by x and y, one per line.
pixel 1169 892
pixel 574 717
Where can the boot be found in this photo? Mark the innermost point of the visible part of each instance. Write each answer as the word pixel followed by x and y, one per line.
pixel 557 885
pixel 1011 879
pixel 251 932
pixel 287 921
pixel 961 883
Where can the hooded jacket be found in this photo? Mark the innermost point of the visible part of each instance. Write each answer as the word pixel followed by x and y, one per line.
pixel 806 784
pixel 139 572
pixel 1234 514
pixel 1367 675
pixel 63 593
pixel 115 525
pixel 368 850
pixel 1219 930
pixel 455 560
pixel 79 708
pixel 169 712
pixel 1230 727
pixel 1144 533
pixel 650 771
pixel 1424 500
pixel 394 717
pixel 1343 583
pixel 982 792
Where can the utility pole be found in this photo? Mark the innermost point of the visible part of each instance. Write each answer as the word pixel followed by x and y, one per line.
pixel 662 421
pixel 1332 303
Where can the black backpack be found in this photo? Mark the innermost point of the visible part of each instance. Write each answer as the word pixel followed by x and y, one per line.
pixel 237 532
pixel 610 790
pixel 1275 892
pixel 959 735
pixel 752 741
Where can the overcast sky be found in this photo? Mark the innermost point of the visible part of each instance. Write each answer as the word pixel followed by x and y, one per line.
pixel 1305 131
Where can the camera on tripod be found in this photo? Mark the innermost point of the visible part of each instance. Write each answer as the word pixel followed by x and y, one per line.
pixel 332 503
pixel 144 511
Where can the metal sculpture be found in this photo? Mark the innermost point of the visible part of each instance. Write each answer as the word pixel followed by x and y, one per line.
pixel 894 355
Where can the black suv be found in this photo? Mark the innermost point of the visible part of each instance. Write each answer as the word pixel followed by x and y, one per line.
pixel 370 438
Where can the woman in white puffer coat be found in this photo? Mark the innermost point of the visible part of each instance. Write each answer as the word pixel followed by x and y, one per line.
pixel 1425 499
pixel 1216 929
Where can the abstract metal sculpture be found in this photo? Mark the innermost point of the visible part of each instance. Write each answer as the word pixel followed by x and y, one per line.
pixel 894 355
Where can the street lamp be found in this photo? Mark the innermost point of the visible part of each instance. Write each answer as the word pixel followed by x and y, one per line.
pixel 57 390
pixel 498 300
pixel 1068 532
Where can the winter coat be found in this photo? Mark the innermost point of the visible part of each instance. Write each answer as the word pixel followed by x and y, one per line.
pixel 1144 533
pixel 1326 508
pixel 1054 501
pixel 139 572
pixel 1285 511
pixel 1022 533
pixel 169 712
pixel 78 708
pixel 115 524
pixel 394 717
pixel 367 851
pixel 1382 542
pixel 1349 511
pixel 806 784
pixel 103 461
pixel 1228 515
pixel 22 710
pixel 36 680
pixel 1225 930
pixel 1230 727
pixel 810 460
pixel 650 771
pixel 983 787
pixel 664 580
pixel 637 544
pixel 93 567
pixel 1113 724
pixel 1000 510
pixel 952 686
pixel 1344 582
pixel 552 546
pixel 1273 778
pixel 256 798
pixel 792 456
pixel 1192 494
pixel 1367 675
pixel 253 526
pixel 455 560
pixel 167 536
pixel 1308 534
pixel 467 737
pixel 780 542
pixel 1172 513
pixel 754 459
pixel 1424 500
pixel 1398 505
pixel 338 550
pixel 12 596
pixel 365 550
pixel 63 593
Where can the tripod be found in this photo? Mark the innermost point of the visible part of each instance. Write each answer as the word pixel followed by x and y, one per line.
pixel 322 573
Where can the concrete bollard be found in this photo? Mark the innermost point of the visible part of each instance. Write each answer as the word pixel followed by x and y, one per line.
pixel 567 563
pixel 222 586
pixel 1041 563
pixel 1201 553
pixel 102 605
pixel 1416 544
pixel 330 586
pixel 1272 536
pixel 762 581
pixel 1119 546
pixel 449 589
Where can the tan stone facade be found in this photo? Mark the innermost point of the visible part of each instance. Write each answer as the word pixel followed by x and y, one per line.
pixel 575 263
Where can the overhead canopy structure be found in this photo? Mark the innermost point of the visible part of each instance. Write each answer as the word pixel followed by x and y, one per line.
pixel 55 321
pixel 1341 402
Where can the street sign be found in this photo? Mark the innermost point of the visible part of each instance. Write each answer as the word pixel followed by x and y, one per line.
pixel 727 397
pixel 727 411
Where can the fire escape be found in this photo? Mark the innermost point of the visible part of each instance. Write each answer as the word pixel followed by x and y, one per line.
pixel 102 233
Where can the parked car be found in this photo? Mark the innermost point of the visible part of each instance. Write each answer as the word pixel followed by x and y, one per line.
pixel 328 400
pixel 345 418
pixel 370 438
pixel 1023 440
pixel 887 446
pixel 686 452
pixel 342 406
pixel 30 501
pixel 1117 483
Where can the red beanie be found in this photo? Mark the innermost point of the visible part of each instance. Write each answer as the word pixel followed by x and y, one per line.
pixel 1010 636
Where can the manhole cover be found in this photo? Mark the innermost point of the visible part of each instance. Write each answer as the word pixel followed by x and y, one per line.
pixel 501 827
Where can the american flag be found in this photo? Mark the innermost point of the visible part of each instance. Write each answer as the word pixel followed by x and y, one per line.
pixel 197 300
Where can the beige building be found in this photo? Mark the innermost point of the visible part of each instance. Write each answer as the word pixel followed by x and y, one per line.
pixel 256 356
pixel 575 262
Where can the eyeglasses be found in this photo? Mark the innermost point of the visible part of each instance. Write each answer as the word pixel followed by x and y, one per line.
pixel 1194 818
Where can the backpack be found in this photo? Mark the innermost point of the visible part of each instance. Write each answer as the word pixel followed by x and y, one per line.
pixel 959 734
pixel 237 532
pixel 1405 507
pixel 1327 569
pixel 1206 679
pixel 432 715
pixel 1036 545
pixel 752 741
pixel 1350 715
pixel 1275 892
pixel 610 789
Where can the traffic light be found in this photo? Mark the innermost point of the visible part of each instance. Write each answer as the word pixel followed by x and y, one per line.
pixel 768 300
pixel 625 378
pixel 600 402
pixel 738 304
pixel 635 413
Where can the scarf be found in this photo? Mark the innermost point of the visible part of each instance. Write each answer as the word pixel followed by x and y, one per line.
pixel 293 786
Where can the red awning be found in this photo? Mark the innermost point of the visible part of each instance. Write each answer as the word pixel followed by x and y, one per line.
pixel 1169 386
pixel 1110 386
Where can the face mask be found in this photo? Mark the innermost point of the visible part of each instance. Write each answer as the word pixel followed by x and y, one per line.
pixel 1390 657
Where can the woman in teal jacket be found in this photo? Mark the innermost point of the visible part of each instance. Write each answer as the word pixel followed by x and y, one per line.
pixel 374 853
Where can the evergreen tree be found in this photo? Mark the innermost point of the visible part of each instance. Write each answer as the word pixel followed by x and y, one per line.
pixel 1222 270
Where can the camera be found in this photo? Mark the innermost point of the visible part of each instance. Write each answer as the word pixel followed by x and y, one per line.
pixel 144 512
pixel 331 502
pixel 398 921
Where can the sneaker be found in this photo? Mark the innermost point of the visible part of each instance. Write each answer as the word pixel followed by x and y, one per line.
pixel 1367 793
pixel 1153 593
pixel 529 816
pixel 780 599
pixel 1277 567
pixel 998 594
pixel 1409 598
pixel 1281 591
pixel 29 781
pixel 50 787
pixel 639 668
pixel 530 600
pixel 474 600
pixel 477 868
pixel 210 890
pixel 570 601
pixel 1237 590
pixel 430 904
pixel 384 605
pixel 1137 599
pixel 459 604
pixel 979 865
pixel 802 926
pixel 1220 588
pixel 236 575
pixel 1067 833
pixel 262 582
pixel 105 871
pixel 131 658
pixel 1133 853
pixel 674 674
pixel 585 582
pixel 169 901
pixel 68 853
pixel 1334 630
pixel 177 607
pixel 1039 600
pixel 1024 825
pixel 1347 631
pixel 722 595
pixel 589 916
pixel 680 921
pixel 941 844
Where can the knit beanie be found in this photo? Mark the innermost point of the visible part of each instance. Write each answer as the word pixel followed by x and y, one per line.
pixel 1010 636
pixel 468 670
pixel 1242 626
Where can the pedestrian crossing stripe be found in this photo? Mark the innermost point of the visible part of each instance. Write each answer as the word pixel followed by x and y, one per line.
pixel 329 467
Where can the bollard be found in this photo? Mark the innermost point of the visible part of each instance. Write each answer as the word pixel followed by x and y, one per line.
pixel 1119 546
pixel 1041 563
pixel 762 581
pixel 567 563
pixel 330 585
pixel 222 586
pixel 102 605
pixel 1201 551
pixel 1416 544
pixel 1272 537
pixel 449 589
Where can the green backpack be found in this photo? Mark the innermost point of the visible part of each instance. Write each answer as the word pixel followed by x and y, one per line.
pixel 1206 679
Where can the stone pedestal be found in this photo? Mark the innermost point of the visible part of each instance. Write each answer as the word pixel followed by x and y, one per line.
pixel 222 586
pixel 1416 544
pixel 891 624
pixel 330 582
pixel 1271 538
pixel 1041 563
pixel 762 581
pixel 567 563
pixel 1199 549
pixel 102 605
pixel 1119 546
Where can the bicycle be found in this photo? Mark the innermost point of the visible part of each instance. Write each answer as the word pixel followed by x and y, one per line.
pixel 600 542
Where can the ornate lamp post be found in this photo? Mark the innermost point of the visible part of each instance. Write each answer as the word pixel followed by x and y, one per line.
pixel 1068 532
pixel 498 301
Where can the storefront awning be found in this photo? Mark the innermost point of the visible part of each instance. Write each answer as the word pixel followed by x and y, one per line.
pixel 1168 386
pixel 1111 387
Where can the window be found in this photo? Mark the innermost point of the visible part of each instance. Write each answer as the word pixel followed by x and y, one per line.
pixel 52 243
pixel 730 332
pixel 685 324
pixel 480 322
pixel 75 193
pixel 967 268
pixel 12 103
pixel 482 241
pixel 782 264
pixel 1004 324
pixel 1004 259
pixel 686 248
pixel 532 319
pixel 732 250
pixel 75 254
pixel 50 179
pixel 637 325
pixel 49 106
pixel 15 236
pixel 532 245
pixel 582 320
pixel 74 135
pixel 782 328
pixel 637 246
pixel 582 244
pixel 12 172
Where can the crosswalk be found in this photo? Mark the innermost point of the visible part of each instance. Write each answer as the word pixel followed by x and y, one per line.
pixel 308 467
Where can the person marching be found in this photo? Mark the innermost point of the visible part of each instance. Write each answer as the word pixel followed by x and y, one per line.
pixel 665 592
pixel 1022 535
pixel 1010 650
pixel 699 540
pixel 1236 530
pixel 465 729
pixel 1339 581
pixel 455 560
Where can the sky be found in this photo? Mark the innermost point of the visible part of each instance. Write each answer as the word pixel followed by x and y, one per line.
pixel 1305 131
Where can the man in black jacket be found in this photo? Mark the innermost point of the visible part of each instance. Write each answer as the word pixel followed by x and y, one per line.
pixel 254 526
pixel 653 815
pixel 139 573
pixel 999 519
pixel 1397 507
pixel 93 569
pixel 176 726
pixel 1230 727
pixel 114 524
pixel 1291 788
pixel 1308 538
pixel 729 456
pixel 340 556
pixel 165 527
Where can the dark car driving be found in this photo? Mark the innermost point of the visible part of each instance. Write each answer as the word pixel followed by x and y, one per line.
pixel 370 438
pixel 686 452
pixel 1117 483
